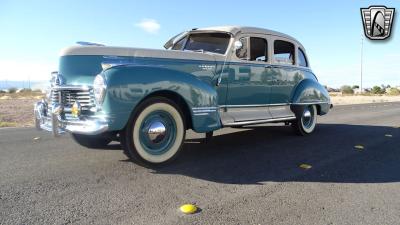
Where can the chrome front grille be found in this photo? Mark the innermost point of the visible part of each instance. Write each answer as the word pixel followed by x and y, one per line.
pixel 68 97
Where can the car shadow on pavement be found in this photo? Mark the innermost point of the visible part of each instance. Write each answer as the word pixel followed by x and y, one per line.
pixel 273 153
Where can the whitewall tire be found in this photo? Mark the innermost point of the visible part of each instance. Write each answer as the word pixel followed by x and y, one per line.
pixel 155 132
pixel 306 122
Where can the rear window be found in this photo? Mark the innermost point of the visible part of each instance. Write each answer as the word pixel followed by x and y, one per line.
pixel 283 52
pixel 208 42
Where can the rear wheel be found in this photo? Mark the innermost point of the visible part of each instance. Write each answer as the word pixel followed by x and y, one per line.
pixel 306 122
pixel 91 141
pixel 155 133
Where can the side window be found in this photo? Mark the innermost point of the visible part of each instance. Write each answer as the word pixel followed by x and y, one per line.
pixel 242 53
pixel 258 49
pixel 302 58
pixel 283 52
pixel 179 45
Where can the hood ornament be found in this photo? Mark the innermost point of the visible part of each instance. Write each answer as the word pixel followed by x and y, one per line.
pixel 86 43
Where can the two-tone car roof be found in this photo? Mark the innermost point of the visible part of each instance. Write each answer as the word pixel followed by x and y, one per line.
pixel 252 30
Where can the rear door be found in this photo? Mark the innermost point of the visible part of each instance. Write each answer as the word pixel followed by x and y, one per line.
pixel 282 70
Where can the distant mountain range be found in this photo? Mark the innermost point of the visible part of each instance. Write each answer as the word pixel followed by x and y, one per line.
pixel 6 84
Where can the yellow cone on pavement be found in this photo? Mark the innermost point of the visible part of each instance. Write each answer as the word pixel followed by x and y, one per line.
pixel 188 208
pixel 359 147
pixel 305 166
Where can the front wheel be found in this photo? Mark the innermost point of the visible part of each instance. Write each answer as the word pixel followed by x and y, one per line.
pixel 155 133
pixel 306 122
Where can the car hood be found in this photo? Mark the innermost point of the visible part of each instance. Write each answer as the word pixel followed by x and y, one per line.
pixel 138 52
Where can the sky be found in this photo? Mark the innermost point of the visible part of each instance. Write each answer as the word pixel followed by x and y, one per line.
pixel 33 32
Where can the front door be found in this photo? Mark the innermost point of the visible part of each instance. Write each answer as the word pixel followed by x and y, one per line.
pixel 248 90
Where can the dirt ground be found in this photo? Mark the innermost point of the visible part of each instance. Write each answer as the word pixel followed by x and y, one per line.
pixel 360 99
pixel 16 110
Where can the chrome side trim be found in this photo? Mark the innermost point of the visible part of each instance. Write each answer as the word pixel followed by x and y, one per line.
pixel 202 111
pixel 201 114
pixel 205 110
pixel 256 105
pixel 266 105
pixel 260 121
pixel 201 108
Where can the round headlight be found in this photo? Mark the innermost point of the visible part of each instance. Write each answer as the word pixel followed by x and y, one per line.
pixel 99 89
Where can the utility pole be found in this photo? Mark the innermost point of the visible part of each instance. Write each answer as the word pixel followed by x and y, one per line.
pixel 361 65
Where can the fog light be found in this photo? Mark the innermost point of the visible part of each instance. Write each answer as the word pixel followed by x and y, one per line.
pixel 76 109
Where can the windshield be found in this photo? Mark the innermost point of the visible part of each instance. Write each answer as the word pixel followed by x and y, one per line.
pixel 204 42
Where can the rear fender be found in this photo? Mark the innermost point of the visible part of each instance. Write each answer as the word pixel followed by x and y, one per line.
pixel 310 92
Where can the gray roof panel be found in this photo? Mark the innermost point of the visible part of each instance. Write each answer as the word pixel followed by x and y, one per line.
pixel 244 29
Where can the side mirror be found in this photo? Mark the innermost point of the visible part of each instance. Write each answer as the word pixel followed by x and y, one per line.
pixel 238 45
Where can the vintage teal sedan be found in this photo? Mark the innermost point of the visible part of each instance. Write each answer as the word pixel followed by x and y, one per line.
pixel 205 80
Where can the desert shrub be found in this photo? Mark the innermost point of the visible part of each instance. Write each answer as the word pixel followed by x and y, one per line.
pixel 393 91
pixel 377 90
pixel 346 89
pixel 12 90
pixel 2 91
pixel 355 87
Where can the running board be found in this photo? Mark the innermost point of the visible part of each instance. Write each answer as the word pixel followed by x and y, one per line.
pixel 241 123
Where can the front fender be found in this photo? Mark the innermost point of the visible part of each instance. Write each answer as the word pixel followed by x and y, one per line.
pixel 129 84
pixel 308 92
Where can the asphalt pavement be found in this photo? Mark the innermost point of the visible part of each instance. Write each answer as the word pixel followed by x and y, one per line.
pixel 243 176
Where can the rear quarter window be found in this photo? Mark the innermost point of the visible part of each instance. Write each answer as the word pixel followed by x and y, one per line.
pixel 302 58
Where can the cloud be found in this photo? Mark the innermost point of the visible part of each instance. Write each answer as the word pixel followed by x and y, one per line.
pixel 149 25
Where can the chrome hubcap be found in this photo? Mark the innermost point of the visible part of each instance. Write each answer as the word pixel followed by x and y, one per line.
pixel 307 118
pixel 156 132
pixel 307 113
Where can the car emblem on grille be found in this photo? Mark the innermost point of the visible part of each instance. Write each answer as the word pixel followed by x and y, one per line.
pixel 56 79
pixel 378 21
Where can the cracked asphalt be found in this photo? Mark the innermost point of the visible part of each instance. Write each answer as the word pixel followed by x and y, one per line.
pixel 243 176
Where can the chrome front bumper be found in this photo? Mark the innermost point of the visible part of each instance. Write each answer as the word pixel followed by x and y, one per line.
pixel 55 120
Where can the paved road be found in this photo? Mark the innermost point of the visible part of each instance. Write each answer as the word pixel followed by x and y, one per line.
pixel 244 176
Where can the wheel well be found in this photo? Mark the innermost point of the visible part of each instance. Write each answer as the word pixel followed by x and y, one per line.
pixel 179 101
pixel 318 109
